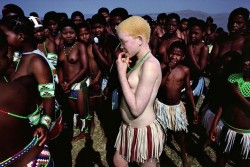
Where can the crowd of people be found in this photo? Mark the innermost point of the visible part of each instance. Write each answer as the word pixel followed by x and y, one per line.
pixel 143 79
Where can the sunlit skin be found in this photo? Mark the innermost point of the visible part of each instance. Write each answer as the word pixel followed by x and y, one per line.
pixel 140 87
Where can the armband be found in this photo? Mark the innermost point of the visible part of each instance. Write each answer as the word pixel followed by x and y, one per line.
pixel 52 57
pixel 46 121
pixel 46 90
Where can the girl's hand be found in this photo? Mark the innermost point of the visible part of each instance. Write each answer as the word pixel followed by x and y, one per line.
pixel 122 63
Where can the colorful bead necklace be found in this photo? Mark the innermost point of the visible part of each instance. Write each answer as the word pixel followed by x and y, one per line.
pixel 64 49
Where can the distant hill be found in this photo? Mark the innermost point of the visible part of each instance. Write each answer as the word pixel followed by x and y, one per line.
pixel 219 18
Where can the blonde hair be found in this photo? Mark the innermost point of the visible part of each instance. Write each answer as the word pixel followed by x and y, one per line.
pixel 135 26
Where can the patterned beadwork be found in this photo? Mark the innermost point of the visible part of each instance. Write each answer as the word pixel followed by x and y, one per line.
pixel 244 87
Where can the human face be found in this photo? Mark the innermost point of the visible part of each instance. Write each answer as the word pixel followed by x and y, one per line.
pixel 39 34
pixel 53 26
pixel 84 35
pixel 184 25
pixel 237 24
pixel 77 20
pixel 98 30
pixel 162 23
pixel 196 34
pixel 175 57
pixel 68 35
pixel 114 22
pixel 13 39
pixel 172 26
pixel 106 16
pixel 129 44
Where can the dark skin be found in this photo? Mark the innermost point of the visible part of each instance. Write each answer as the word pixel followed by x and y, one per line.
pixel 15 131
pixel 235 111
pixel 73 67
pixel 198 52
pixel 101 50
pixel 175 78
pixel 17 98
pixel 32 65
pixel 171 36
pixel 50 45
pixel 232 42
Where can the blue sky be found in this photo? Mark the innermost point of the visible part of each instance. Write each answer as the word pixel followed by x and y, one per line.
pixel 133 6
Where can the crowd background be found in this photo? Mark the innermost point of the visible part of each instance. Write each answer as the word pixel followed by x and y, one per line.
pixel 91 51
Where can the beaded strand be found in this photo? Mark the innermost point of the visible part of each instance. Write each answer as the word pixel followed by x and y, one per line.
pixel 64 49
pixel 139 62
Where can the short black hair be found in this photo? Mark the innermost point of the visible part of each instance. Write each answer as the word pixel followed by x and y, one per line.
pixel 200 23
pixel 173 16
pixel 77 13
pixel 12 8
pixel 51 15
pixel 103 9
pixel 68 23
pixel 178 44
pixel 98 18
pixel 122 12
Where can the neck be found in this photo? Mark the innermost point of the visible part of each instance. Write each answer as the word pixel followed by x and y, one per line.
pixel 28 48
pixel 141 53
pixel 69 44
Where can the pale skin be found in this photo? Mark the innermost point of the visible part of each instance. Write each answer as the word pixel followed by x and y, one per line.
pixel 139 88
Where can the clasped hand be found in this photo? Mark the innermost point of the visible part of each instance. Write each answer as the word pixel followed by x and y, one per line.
pixel 122 62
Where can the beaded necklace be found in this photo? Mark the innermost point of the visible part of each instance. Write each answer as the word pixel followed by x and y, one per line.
pixel 64 49
pixel 244 87
pixel 20 57
pixel 139 62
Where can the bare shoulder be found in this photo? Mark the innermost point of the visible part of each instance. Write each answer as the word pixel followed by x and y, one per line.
pixel 37 61
pixel 81 45
pixel 204 47
pixel 152 65
pixel 185 68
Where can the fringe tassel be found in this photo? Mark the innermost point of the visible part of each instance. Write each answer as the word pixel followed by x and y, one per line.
pixel 246 145
pixel 140 144
pixel 172 117
pixel 230 137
